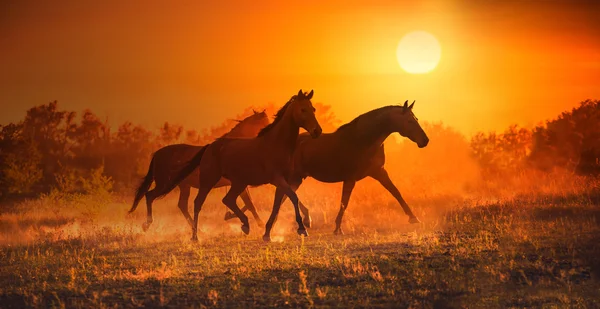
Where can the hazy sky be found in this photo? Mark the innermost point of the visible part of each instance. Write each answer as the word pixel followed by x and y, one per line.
pixel 197 63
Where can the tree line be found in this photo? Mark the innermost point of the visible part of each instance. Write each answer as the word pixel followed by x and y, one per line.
pixel 569 142
pixel 53 148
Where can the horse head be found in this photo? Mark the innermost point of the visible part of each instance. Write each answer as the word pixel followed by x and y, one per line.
pixel 404 122
pixel 303 113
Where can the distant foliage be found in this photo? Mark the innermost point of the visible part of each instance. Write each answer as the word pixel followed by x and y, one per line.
pixel 97 183
pixel 570 141
pixel 501 154
pixel 50 149
pixel 54 149
pixel 327 118
pixel 21 170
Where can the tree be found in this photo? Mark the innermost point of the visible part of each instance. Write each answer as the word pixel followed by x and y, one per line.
pixel 49 129
pixel 91 141
pixel 169 134
pixel 570 141
pixel 20 161
pixel 129 153
pixel 500 155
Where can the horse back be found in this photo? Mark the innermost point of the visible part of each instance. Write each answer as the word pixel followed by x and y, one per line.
pixel 170 159
pixel 248 161
pixel 329 158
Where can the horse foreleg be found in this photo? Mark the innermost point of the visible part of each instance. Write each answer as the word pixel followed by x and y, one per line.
pixel 384 179
pixel 248 205
pixel 295 184
pixel 274 212
pixel 346 192
pixel 184 196
pixel 230 200
pixel 282 184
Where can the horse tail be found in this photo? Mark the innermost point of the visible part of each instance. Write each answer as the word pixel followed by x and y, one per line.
pixel 183 173
pixel 144 186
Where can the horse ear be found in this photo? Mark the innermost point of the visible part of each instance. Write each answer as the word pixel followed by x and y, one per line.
pixel 310 94
pixel 300 93
pixel 264 110
pixel 254 111
pixel 412 104
pixel 405 107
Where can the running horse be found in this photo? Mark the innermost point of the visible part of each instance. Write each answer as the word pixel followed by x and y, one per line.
pixel 266 159
pixel 167 161
pixel 351 153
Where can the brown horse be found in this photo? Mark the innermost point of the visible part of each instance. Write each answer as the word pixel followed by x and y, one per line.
pixel 350 154
pixel 167 161
pixel 266 159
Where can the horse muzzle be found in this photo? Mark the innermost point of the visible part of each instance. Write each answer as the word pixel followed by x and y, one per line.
pixel 423 143
pixel 316 132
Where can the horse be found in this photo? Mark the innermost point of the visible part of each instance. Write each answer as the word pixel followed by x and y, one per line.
pixel 265 159
pixel 169 159
pixel 350 154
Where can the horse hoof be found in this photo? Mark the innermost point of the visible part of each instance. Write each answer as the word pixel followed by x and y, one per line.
pixel 338 232
pixel 267 238
pixel 414 220
pixel 145 226
pixel 194 238
pixel 229 215
pixel 246 229
pixel 307 222
pixel 303 232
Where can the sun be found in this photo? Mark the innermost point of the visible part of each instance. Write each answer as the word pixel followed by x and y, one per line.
pixel 418 52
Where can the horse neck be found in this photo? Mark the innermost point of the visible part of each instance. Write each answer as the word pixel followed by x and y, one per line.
pixel 285 133
pixel 370 133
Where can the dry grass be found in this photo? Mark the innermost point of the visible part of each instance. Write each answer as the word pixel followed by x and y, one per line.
pixel 534 248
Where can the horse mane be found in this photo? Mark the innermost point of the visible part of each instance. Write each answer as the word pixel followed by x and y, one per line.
pixel 371 113
pixel 238 126
pixel 278 117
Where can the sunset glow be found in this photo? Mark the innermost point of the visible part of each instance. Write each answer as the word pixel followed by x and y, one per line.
pixel 418 52
pixel 196 63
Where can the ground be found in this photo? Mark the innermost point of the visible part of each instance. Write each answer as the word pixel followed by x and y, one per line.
pixel 530 250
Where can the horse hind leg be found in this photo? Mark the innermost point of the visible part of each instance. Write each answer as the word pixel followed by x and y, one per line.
pixel 208 180
pixel 150 197
pixel 230 200
pixel 184 195
pixel 274 213
pixel 198 202
pixel 347 188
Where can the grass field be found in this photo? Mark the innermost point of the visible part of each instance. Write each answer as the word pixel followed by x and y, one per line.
pixel 534 249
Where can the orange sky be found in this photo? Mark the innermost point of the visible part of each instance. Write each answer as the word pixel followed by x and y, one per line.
pixel 197 63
